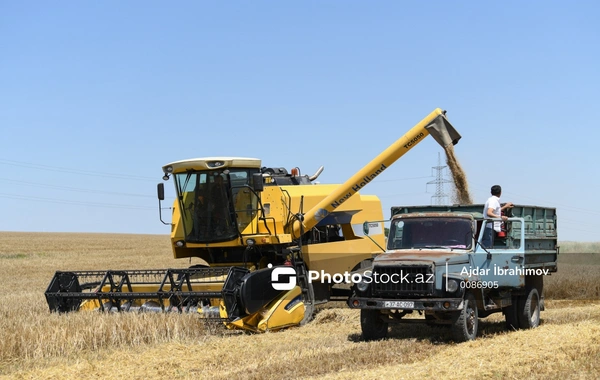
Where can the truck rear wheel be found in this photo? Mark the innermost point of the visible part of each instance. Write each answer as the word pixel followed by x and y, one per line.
pixel 465 324
pixel 529 310
pixel 372 325
pixel 510 314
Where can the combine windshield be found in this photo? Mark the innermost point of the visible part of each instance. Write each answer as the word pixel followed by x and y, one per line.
pixel 411 233
pixel 211 204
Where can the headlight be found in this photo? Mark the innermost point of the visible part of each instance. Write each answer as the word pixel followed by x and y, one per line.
pixel 179 243
pixel 250 242
pixel 363 285
pixel 451 285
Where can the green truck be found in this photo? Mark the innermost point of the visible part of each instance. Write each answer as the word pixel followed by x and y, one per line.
pixel 436 266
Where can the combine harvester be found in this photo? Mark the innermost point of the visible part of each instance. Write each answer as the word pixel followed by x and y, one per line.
pixel 248 224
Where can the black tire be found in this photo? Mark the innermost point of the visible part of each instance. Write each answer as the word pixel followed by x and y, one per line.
pixel 529 310
pixel 466 322
pixel 372 325
pixel 510 314
pixel 308 296
pixel 309 305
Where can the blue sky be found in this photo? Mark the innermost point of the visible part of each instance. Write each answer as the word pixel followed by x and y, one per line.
pixel 97 96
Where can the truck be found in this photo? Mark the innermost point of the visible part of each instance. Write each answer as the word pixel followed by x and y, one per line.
pixel 436 268
pixel 256 231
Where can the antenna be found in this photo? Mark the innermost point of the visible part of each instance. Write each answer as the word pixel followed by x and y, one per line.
pixel 439 198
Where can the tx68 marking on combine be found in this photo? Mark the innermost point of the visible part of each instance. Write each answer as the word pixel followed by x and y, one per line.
pixel 239 217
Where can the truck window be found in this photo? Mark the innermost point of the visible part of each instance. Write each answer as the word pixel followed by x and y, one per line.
pixel 416 233
pixel 507 235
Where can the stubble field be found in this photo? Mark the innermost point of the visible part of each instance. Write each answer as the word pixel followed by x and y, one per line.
pixel 37 344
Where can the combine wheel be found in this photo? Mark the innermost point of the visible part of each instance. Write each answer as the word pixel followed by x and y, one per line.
pixel 372 325
pixel 309 305
pixel 308 294
pixel 465 323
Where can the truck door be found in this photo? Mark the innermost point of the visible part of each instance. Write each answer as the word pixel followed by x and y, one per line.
pixel 504 261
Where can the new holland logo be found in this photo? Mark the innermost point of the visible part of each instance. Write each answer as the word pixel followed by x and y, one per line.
pixel 368 178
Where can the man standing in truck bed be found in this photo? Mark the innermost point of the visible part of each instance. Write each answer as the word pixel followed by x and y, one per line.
pixel 492 209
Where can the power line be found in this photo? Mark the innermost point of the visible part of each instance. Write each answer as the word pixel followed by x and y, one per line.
pixel 539 201
pixel 73 171
pixel 403 179
pixel 399 195
pixel 37 184
pixel 72 202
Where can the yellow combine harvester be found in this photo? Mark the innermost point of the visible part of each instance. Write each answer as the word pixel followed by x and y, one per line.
pixel 247 222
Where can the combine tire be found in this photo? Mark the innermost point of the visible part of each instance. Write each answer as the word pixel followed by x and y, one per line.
pixel 529 310
pixel 309 305
pixel 373 327
pixel 464 327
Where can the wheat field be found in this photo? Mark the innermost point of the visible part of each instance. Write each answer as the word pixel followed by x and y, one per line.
pixel 35 343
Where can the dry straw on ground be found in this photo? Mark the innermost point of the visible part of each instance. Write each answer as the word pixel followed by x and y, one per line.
pixel 37 344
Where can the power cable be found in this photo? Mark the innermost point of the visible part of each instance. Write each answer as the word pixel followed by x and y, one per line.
pixel 36 184
pixel 73 171
pixel 537 200
pixel 400 195
pixel 403 179
pixel 79 203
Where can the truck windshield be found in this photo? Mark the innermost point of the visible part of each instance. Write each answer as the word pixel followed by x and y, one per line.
pixel 208 203
pixel 431 233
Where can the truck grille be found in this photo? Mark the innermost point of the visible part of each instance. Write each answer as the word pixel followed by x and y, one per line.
pixel 404 280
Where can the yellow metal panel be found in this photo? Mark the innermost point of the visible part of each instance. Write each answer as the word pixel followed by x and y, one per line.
pixel 276 315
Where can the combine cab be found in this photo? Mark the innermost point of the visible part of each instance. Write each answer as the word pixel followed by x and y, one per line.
pixel 247 222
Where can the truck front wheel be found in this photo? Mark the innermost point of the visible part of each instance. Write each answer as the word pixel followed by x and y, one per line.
pixel 465 323
pixel 372 325
pixel 529 310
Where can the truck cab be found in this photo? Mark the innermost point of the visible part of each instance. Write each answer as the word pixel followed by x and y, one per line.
pixel 436 266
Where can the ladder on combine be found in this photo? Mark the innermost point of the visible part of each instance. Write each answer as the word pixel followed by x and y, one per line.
pixel 308 295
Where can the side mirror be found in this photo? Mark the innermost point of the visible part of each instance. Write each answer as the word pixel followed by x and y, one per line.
pixel 257 182
pixel 160 189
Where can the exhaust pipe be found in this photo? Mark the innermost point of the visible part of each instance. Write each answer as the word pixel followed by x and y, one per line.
pixel 316 175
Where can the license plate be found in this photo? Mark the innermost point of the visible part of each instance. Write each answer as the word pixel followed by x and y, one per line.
pixel 399 304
